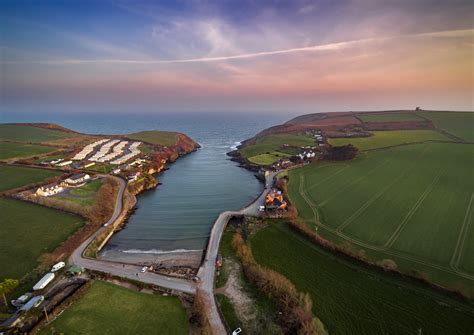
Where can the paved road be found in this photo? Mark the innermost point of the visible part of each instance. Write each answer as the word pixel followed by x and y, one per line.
pixel 208 268
pixel 126 270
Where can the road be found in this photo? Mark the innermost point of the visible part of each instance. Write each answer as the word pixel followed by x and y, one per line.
pixel 126 270
pixel 208 268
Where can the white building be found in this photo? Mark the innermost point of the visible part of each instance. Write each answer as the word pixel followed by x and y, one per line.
pixel 134 151
pixel 43 282
pixel 65 163
pixel 77 180
pixel 49 190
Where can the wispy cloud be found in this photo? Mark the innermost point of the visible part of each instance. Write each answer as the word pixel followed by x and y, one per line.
pixel 217 40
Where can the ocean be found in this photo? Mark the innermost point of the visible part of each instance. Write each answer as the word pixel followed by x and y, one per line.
pixel 179 214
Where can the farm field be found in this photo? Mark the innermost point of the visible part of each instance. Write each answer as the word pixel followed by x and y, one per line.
pixel 29 230
pixel 167 138
pixel 265 148
pixel 456 123
pixel 382 139
pixel 18 150
pixel 389 117
pixel 23 133
pixel 412 204
pixel 350 299
pixel 110 309
pixel 16 176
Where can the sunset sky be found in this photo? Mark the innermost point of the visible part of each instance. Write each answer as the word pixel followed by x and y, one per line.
pixel 304 56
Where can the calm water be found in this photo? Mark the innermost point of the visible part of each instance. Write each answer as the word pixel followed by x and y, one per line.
pixel 180 213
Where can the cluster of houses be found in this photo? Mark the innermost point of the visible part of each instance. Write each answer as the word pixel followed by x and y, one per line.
pixel 31 300
pixel 76 180
pixel 134 151
pixel 114 151
pixel 88 149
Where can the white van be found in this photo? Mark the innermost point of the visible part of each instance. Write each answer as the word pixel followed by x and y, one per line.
pixel 58 266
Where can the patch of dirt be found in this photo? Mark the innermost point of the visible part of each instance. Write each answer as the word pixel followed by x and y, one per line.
pixel 243 304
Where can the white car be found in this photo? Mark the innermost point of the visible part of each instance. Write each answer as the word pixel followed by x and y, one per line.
pixel 144 269
pixel 237 331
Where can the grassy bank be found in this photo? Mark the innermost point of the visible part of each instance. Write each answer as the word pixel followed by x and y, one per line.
pixel 110 309
pixel 167 138
pixel 18 150
pixel 24 133
pixel 350 299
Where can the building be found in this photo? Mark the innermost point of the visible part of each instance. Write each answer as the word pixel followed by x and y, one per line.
pixel 58 266
pixel 65 163
pixel 88 165
pixel 49 190
pixel 77 180
pixel 43 282
pixel 274 201
pixel 74 270
pixel 87 150
pixel 34 302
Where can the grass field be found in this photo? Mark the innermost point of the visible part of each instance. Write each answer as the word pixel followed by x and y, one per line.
pixel 110 309
pixel 27 231
pixel 84 195
pixel 264 151
pixel 18 150
pixel 167 138
pixel 389 117
pixel 267 159
pixel 350 299
pixel 16 176
pixel 456 123
pixel 19 133
pixel 382 139
pixel 412 204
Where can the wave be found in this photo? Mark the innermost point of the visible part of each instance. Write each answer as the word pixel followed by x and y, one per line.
pixel 236 144
pixel 157 252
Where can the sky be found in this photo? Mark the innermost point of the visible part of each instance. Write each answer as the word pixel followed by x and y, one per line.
pixel 297 56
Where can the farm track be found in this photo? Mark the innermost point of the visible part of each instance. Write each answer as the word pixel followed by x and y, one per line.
pixel 411 212
pixel 458 251
pixel 355 182
pixel 317 222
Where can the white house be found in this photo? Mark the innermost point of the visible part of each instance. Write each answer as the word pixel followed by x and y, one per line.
pixel 77 180
pixel 49 190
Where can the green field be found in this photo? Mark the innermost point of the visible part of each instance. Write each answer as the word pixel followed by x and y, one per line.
pixel 266 148
pixel 167 138
pixel 29 230
pixel 412 204
pixel 350 299
pixel 16 176
pixel 456 123
pixel 389 117
pixel 84 195
pixel 267 159
pixel 18 150
pixel 19 133
pixel 110 309
pixel 381 139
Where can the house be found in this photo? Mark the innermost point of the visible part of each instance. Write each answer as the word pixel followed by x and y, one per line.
pixel 74 270
pixel 43 282
pixel 34 302
pixel 88 165
pixel 58 266
pixel 274 201
pixel 116 171
pixel 49 190
pixel 65 163
pixel 77 180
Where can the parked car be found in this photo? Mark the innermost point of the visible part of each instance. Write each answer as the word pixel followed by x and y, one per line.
pixel 144 269
pixel 237 331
